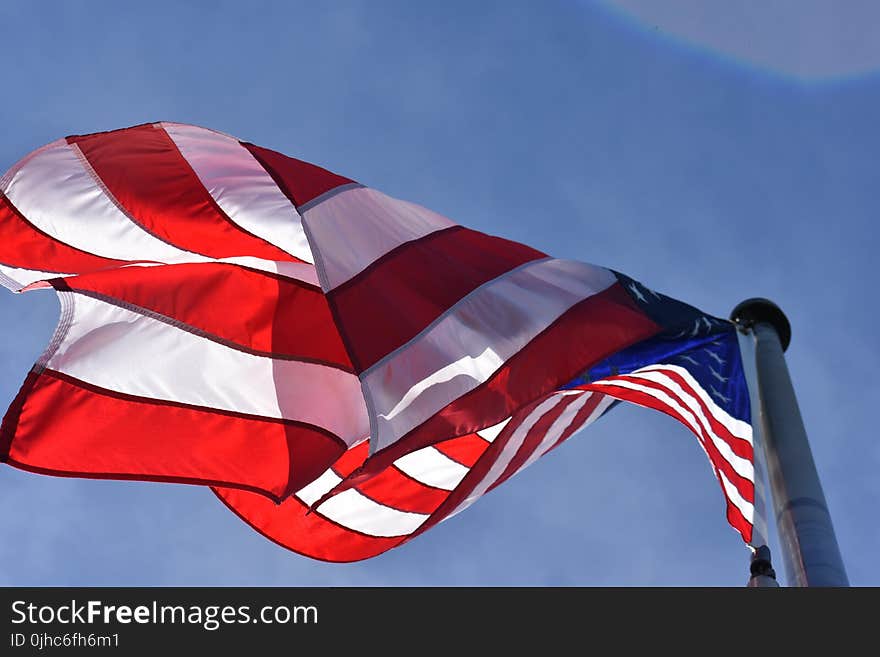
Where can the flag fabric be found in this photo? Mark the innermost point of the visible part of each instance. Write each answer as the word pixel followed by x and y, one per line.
pixel 344 369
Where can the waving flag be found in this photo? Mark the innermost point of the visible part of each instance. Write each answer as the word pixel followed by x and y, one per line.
pixel 344 369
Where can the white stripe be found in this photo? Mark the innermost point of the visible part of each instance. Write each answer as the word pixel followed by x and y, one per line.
pixel 737 427
pixel 468 344
pixel 319 487
pixel 745 507
pixel 432 468
pixel 241 187
pixel 357 226
pixel 15 278
pixel 299 270
pixel 743 467
pixel 489 434
pixel 507 453
pixel 127 352
pixel 56 192
pixel 355 511
pixel 475 368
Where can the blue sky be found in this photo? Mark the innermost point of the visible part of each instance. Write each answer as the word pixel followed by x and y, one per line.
pixel 714 155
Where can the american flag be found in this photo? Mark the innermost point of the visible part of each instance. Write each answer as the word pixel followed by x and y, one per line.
pixel 344 369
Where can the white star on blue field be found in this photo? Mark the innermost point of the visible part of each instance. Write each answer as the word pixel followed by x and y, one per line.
pixel 708 151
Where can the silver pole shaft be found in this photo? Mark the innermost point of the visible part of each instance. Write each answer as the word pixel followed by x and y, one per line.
pixel 810 552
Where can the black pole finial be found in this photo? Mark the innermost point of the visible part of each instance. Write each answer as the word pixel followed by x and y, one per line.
pixel 752 311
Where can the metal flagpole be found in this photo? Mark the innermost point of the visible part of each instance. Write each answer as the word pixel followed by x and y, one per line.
pixel 809 547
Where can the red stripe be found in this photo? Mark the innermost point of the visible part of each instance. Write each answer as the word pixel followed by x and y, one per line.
pixel 533 439
pixel 465 450
pixel 426 277
pixel 9 425
pixel 146 173
pixel 393 488
pixel 738 521
pixel 739 446
pixel 68 427
pixel 589 331
pixel 582 416
pixel 267 314
pixel 352 459
pixel 25 246
pixel 311 535
pixel 300 181
pixel 745 487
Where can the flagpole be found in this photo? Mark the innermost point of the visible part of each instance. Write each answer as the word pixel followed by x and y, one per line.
pixel 809 547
